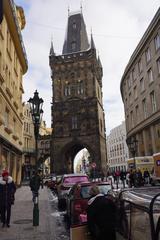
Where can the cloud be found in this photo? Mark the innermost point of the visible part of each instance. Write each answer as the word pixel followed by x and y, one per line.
pixel 117 28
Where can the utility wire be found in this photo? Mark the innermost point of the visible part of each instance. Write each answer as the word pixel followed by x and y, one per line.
pixel 98 35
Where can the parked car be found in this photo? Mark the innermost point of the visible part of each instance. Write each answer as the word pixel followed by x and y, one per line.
pixel 77 202
pixel 67 181
pixel 78 197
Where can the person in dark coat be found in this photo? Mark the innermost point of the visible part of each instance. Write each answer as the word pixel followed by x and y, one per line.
pixel 101 216
pixel 35 183
pixel 7 191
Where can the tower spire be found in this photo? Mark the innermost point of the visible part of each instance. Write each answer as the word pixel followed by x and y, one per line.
pixel 92 41
pixel 52 49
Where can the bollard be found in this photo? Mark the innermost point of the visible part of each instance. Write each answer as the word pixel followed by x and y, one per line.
pixel 36 212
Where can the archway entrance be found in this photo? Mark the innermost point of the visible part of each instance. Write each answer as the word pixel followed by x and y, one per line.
pixel 81 161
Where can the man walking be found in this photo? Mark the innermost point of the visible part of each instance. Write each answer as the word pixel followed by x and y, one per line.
pixel 7 191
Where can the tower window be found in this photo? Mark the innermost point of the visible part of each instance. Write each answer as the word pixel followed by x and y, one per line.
pixel 80 89
pixel 73 46
pixel 67 90
pixel 74 26
pixel 74 122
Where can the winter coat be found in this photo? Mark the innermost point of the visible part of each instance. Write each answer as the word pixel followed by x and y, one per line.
pixel 35 183
pixel 7 191
pixel 101 218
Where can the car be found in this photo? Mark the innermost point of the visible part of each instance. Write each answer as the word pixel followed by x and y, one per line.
pixel 77 201
pixel 67 181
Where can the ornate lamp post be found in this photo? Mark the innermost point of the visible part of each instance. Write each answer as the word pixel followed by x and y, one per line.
pixel 132 145
pixel 36 111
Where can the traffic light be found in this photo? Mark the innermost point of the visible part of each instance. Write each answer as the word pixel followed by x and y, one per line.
pixel 1 11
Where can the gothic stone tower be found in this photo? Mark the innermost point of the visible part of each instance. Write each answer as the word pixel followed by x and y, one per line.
pixel 77 107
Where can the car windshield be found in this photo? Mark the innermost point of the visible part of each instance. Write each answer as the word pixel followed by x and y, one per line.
pixel 102 188
pixel 76 179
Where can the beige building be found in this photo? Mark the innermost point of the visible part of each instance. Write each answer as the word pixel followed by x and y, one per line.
pixel 28 161
pixel 13 65
pixel 140 89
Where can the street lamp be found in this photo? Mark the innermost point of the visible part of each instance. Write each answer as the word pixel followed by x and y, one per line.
pixel 132 145
pixel 36 112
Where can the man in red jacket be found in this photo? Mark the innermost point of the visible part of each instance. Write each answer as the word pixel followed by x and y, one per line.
pixel 7 191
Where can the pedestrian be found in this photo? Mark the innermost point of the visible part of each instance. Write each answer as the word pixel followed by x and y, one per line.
pixel 35 183
pixel 146 176
pixel 7 191
pixel 101 216
pixel 123 177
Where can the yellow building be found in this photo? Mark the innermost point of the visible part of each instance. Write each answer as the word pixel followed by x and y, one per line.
pixel 28 161
pixel 13 65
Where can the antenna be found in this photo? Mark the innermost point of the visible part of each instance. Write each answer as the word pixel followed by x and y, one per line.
pixel 81 7
pixel 68 10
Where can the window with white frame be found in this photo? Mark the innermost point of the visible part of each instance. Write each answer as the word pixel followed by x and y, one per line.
pixel 158 65
pixel 148 55
pixel 74 122
pixel 153 101
pixel 157 42
pixel 150 75
pixel 142 88
pixel 144 107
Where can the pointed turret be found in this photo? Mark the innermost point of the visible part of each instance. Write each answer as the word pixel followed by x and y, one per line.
pixel 92 42
pixel 99 62
pixel 51 49
pixel 76 39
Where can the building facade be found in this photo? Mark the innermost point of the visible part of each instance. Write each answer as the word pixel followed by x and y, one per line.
pixel 117 150
pixel 28 161
pixel 140 90
pixel 77 108
pixel 13 64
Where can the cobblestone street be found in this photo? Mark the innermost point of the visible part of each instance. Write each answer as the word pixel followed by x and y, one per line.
pixel 51 225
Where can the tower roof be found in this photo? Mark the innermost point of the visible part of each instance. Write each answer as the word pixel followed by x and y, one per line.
pixel 76 39
pixel 92 42
pixel 51 49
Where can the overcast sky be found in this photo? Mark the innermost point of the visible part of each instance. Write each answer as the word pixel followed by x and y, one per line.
pixel 117 27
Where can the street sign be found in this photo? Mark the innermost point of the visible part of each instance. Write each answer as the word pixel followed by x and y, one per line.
pixel 93 165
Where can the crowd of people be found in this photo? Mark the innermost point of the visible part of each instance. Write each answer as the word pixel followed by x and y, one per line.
pixel 131 178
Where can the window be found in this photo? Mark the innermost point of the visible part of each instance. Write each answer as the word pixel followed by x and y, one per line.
pixel 74 26
pixel 67 90
pixel 142 85
pixel 133 75
pixel 73 46
pixel 80 89
pixel 137 114
pixel 150 75
pixel 132 120
pixel 153 101
pixel 144 107
pixel 6 118
pixel 130 98
pixel 129 82
pixel 135 92
pixel 74 122
pixel 140 66
pixel 148 55
pixel 157 42
pixel 158 65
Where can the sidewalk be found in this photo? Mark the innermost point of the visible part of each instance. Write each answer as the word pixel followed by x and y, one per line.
pixel 22 214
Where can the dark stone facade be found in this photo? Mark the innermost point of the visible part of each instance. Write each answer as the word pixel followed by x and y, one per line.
pixel 77 108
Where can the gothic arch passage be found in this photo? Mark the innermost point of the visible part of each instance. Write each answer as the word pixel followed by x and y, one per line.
pixel 70 151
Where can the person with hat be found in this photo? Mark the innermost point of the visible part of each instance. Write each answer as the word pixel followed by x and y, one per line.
pixel 101 213
pixel 7 191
